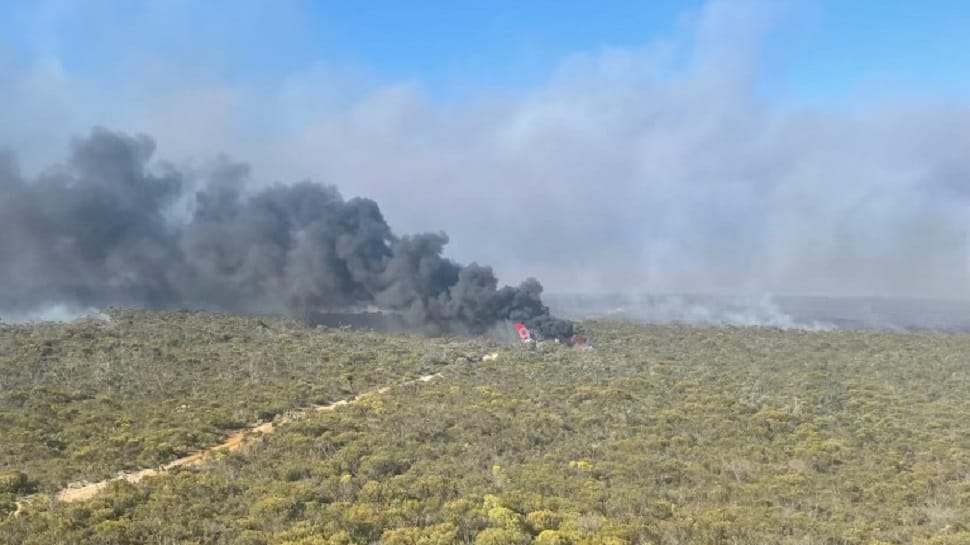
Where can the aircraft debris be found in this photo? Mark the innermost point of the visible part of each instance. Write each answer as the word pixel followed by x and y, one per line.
pixel 524 334
pixel 580 343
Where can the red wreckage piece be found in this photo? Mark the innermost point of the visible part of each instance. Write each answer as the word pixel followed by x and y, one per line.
pixel 524 333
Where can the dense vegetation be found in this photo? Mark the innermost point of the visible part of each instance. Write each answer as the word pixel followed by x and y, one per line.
pixel 85 400
pixel 662 434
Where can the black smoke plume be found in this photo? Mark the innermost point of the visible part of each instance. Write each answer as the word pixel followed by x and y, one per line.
pixel 104 229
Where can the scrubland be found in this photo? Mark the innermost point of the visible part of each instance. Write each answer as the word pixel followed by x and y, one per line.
pixel 660 435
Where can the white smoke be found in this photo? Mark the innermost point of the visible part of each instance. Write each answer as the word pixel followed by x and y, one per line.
pixel 763 311
pixel 53 313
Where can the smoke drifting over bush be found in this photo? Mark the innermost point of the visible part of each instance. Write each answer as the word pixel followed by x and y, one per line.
pixel 687 161
pixel 105 229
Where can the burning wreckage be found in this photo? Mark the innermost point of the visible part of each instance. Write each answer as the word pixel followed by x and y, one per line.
pixel 531 340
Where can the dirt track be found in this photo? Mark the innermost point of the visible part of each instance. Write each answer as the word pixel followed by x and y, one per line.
pixel 232 443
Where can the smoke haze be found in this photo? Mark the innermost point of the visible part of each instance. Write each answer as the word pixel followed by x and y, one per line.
pixel 663 168
pixel 102 229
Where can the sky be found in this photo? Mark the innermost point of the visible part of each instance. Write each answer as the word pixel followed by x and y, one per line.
pixel 806 147
pixel 822 49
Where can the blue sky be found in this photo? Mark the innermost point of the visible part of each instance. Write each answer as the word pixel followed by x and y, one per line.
pixel 818 51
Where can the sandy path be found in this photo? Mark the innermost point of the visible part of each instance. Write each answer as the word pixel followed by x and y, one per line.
pixel 232 443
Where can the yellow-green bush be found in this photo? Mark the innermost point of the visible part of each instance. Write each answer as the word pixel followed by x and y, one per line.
pixel 662 435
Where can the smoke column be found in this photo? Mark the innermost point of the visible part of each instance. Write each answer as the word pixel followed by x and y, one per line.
pixel 104 229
